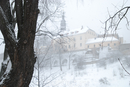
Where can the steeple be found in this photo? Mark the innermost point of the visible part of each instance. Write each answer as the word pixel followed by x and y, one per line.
pixel 63 23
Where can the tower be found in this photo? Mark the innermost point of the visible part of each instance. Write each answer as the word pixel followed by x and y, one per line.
pixel 63 23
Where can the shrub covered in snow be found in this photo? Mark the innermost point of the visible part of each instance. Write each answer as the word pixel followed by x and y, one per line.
pixel 104 81
pixel 127 61
pixel 101 63
pixel 80 63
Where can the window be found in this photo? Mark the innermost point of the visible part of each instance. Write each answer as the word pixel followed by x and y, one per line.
pixel 114 44
pixel 69 46
pixel 99 44
pixel 80 44
pixel 88 46
pixel 80 38
pixel 94 45
pixel 108 44
pixel 74 39
pixel 74 45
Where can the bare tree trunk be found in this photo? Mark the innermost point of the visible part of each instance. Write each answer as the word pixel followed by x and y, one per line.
pixel 4 63
pixel 21 52
pixel 38 73
pixel 60 62
pixel 50 63
pixel 69 61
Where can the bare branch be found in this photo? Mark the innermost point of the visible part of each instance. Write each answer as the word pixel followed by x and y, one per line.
pixel 1 38
pixel 123 67
pixel 111 19
pixel 51 79
pixel 45 54
pixel 46 18
pixel 1 43
pixel 9 33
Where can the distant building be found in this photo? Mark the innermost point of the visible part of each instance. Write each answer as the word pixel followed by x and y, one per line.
pixel 125 48
pixel 84 39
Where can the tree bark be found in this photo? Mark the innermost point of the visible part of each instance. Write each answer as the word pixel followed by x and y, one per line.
pixel 21 52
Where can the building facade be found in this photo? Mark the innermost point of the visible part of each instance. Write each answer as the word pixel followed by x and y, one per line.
pixel 83 39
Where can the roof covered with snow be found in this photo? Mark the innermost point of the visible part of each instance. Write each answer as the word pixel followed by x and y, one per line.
pixel 74 32
pixel 96 40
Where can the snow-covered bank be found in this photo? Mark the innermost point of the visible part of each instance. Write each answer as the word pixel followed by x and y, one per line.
pixel 92 76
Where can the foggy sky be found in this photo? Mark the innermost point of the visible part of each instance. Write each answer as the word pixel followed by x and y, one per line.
pixel 93 13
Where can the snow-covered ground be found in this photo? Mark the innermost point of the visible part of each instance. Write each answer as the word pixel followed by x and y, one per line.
pixel 111 75
pixel 92 75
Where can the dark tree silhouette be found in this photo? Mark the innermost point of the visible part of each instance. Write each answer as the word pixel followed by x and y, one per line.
pixel 20 47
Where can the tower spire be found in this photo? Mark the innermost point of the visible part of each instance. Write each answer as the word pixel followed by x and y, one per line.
pixel 63 23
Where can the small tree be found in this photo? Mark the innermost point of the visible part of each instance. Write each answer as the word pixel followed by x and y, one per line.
pixel 113 22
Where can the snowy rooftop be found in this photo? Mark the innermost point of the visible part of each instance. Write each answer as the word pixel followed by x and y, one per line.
pixel 75 31
pixel 96 40
pixel 72 32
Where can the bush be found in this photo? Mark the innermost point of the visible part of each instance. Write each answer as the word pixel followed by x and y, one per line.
pixel 80 64
pixel 104 81
pixel 121 72
pixel 101 63
pixel 114 73
pixel 127 61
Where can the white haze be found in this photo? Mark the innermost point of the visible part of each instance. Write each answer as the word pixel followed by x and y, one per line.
pixel 93 13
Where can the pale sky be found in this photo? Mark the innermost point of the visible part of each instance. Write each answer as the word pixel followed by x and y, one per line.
pixel 93 13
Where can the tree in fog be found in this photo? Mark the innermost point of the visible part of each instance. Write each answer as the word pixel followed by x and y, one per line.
pixel 59 50
pixel 112 23
pixel 43 54
pixel 70 54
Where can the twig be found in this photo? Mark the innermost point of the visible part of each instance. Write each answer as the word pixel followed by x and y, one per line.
pixel 123 67
pixel 111 19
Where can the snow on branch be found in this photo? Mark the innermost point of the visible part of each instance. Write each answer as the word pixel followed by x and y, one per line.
pixel 3 14
pixel 10 34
